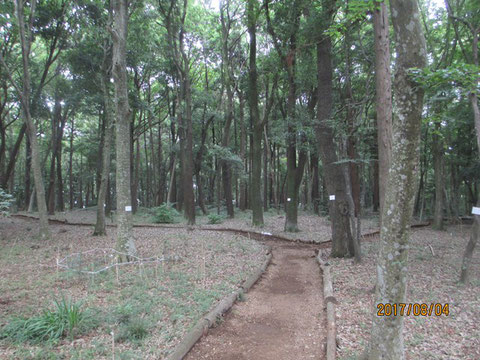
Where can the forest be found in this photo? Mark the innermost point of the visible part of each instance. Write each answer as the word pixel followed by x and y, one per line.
pixel 351 128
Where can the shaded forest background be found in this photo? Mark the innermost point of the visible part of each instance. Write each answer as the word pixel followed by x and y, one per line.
pixel 192 130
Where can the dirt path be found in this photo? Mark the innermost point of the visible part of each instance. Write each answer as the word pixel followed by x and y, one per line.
pixel 282 319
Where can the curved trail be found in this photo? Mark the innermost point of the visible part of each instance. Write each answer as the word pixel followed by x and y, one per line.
pixel 283 317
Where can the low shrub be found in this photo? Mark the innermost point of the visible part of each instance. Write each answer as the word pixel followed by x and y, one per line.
pixel 165 214
pixel 215 219
pixel 6 201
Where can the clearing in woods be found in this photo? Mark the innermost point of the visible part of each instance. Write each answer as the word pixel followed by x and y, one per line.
pixel 283 317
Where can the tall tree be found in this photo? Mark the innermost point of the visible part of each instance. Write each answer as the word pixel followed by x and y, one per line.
pixel 287 51
pixel 439 176
pixel 383 96
pixel 26 39
pixel 473 25
pixel 387 331
pixel 125 240
pixel 257 123
pixel 174 16
pixel 226 22
pixel 342 240
pixel 107 140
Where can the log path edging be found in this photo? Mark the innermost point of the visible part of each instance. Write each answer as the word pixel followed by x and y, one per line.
pixel 210 319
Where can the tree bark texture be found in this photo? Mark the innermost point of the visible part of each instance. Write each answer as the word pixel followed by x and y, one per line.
pixel 387 331
pixel 257 126
pixel 439 177
pixel 100 228
pixel 476 118
pixel 125 240
pixel 333 172
pixel 25 41
pixel 383 101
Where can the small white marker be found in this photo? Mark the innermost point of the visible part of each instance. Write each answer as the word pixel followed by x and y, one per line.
pixel 332 197
pixel 128 208
pixel 288 199
pixel 476 210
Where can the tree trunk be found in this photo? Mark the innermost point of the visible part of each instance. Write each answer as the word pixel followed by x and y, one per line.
pixel 257 126
pixel 28 169
pixel 162 176
pixel 476 118
pixel 243 152
pixel 136 176
pixel 227 80
pixel 57 115
pixel 7 175
pixel 172 190
pixel 188 194
pixel 439 180
pixel 265 169
pixel 100 229
pixel 387 331
pixel 472 242
pixel 125 241
pixel 383 96
pixel 376 186
pixel 87 195
pixel 315 183
pixel 198 165
pixel 60 198
pixel 80 184
pixel 333 174
pixel 31 127
pixel 70 167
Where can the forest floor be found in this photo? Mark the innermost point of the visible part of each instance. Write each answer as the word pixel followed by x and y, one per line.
pixel 149 308
pixel 433 272
pixel 207 272
pixel 312 227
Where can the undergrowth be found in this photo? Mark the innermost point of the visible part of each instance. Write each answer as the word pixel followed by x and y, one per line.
pixel 165 214
pixel 215 219
pixel 65 319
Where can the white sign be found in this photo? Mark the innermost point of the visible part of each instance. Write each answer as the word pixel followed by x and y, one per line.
pixel 128 208
pixel 475 211
pixel 332 197
pixel 288 199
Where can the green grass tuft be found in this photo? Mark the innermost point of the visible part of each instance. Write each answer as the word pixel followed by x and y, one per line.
pixel 51 325
pixel 133 330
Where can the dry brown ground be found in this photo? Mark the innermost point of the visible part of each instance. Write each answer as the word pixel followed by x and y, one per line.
pixel 431 279
pixel 283 317
pixel 171 297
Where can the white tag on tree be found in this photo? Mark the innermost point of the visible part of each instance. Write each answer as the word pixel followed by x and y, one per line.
pixel 128 208
pixel 332 197
pixel 288 199
pixel 476 210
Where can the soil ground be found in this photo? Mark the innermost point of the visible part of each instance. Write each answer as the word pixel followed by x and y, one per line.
pixel 282 315
pixel 282 318
pixel 434 262
pixel 158 301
